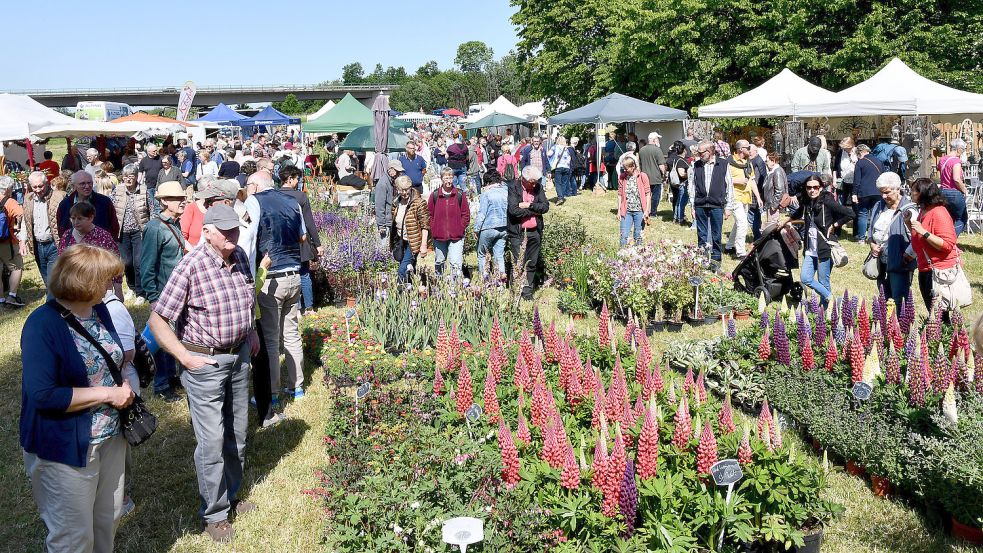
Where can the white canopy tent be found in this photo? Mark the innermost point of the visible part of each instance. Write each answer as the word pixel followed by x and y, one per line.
pixel 895 90
pixel 418 116
pixel 500 105
pixel 779 96
pixel 21 116
pixel 324 109
pixel 78 128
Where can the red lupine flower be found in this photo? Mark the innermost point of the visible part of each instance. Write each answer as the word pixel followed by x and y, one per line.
pixel 942 371
pixel 808 358
pixel 570 477
pixel 630 332
pixel 832 355
pixel 536 368
pixel 933 327
pixel 589 381
pixel 688 382
pixel 598 412
pixel 453 350
pixel 856 359
pixel 764 418
pixel 526 349
pixel 523 432
pixel 863 325
pixel 619 382
pixel 496 360
pixel 648 445
pixel 657 384
pixel 438 382
pixel 764 347
pixel 641 368
pixel 613 408
pixel 522 373
pixel 549 452
pixel 725 419
pixel 490 398
pixel 600 463
pixel 540 404
pixel 775 431
pixel 894 331
pixel 510 456
pixel 496 337
pixel 706 452
pixel 744 453
pixel 683 425
pixel 442 349
pixel 701 389
pixel 575 392
pixel 615 474
pixel 465 395
pixel 603 335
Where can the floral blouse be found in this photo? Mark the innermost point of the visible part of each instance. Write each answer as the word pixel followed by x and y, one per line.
pixel 634 201
pixel 98 237
pixel 105 418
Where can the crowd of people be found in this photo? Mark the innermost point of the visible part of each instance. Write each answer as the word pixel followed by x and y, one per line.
pixel 220 240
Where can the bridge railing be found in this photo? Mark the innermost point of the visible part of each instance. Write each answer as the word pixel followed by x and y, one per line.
pixel 201 90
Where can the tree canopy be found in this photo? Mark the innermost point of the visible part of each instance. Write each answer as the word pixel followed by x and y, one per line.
pixel 686 53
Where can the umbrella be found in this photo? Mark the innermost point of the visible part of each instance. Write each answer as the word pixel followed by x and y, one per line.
pixel 362 139
pixel 380 136
pixel 452 113
pixel 400 124
pixel 496 120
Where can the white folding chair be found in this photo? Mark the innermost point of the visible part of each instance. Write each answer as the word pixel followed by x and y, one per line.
pixel 974 205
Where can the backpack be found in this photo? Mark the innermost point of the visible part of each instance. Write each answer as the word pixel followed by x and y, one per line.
pixel 432 200
pixel 509 174
pixel 4 224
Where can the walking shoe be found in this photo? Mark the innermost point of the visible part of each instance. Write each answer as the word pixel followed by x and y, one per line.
pixel 14 301
pixel 273 420
pixel 128 506
pixel 220 532
pixel 295 394
pixel 169 396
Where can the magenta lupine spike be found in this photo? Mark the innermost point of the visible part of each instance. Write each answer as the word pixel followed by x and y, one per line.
pixel 846 310
pixel 933 327
pixel 628 498
pixel 765 323
pixel 941 371
pixel 701 388
pixel 783 352
pixel 801 328
pixel 916 385
pixel 834 315
pixel 907 313
pixel 821 329
pixel 893 373
pixel 537 323
pixel 688 381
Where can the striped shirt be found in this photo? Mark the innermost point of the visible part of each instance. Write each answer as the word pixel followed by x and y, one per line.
pixel 210 302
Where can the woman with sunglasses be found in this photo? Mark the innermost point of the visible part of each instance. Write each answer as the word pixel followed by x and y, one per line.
pixel 823 215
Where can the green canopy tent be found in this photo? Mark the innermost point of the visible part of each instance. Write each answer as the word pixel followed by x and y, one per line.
pixel 362 139
pixel 347 115
pixel 495 120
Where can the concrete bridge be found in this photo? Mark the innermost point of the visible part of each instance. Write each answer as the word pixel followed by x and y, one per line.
pixel 205 96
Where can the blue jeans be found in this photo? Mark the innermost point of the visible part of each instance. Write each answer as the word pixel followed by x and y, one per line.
pixel 955 203
pixel 306 286
pixel 656 198
pixel 709 224
pixel 811 266
pixel 679 212
pixel 451 252
pixel 754 220
pixel 475 180
pixel 863 209
pixel 130 249
pixel 563 181
pixel 404 264
pixel 632 222
pixel 152 201
pixel 896 285
pixel 45 256
pixel 166 369
pixel 491 239
pixel 459 179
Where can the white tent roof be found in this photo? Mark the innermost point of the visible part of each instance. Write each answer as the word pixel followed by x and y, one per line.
pixel 778 96
pixel 417 116
pixel 533 109
pixel 20 116
pixel 324 109
pixel 896 90
pixel 77 127
pixel 500 105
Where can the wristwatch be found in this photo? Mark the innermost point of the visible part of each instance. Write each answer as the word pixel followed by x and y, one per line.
pixel 926 234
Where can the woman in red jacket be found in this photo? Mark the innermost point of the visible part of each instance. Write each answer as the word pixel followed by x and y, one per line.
pixel 634 195
pixel 933 235
pixel 449 218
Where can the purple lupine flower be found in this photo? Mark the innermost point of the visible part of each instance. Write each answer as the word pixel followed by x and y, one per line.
pixel 801 328
pixel 764 320
pixel 782 351
pixel 821 330
pixel 537 323
pixel 731 328
pixel 628 498
pixel 907 317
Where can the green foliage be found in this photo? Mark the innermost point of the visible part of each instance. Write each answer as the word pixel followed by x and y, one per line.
pixel 571 302
pixel 563 235
pixel 473 56
pixel 291 105
pixel 687 53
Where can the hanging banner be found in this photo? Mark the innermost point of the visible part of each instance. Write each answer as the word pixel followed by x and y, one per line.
pixel 184 102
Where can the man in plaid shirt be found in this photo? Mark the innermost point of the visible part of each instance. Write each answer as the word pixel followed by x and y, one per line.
pixel 209 299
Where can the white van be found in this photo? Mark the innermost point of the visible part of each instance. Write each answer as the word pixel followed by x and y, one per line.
pixel 101 111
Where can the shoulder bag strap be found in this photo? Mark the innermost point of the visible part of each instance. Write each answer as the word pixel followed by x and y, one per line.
pixel 73 322
pixel 179 238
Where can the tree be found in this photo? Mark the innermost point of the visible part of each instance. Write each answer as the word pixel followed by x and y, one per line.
pixel 428 69
pixel 353 73
pixel 473 56
pixel 290 105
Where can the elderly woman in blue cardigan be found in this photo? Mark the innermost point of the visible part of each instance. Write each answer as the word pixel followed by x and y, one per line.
pixel 74 451
pixel 890 239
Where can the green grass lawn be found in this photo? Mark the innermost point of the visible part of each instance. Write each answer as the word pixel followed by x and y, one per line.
pixel 282 461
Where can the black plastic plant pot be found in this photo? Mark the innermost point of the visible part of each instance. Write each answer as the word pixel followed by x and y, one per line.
pixel 655 326
pixel 674 326
pixel 813 542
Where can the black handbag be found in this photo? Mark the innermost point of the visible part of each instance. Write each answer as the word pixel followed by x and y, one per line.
pixel 143 359
pixel 139 424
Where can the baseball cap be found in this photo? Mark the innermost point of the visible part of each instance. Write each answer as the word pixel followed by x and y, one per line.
pixel 222 216
pixel 396 164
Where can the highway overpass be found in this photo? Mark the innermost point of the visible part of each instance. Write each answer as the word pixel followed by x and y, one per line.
pixel 206 96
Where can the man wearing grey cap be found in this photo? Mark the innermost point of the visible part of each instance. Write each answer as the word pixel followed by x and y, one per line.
pixel 384 198
pixel 210 299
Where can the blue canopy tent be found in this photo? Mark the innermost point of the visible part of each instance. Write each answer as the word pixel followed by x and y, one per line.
pixel 222 115
pixel 268 117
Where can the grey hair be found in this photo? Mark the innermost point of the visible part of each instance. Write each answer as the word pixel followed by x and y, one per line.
pixel 958 144
pixel 6 183
pixel 653 136
pixel 130 169
pixel 631 146
pixel 206 181
pixel 705 143
pixel 182 153
pixel 890 180
pixel 37 176
pixel 79 175
pixel 532 173
pixel 446 171
pixel 92 151
pixel 741 144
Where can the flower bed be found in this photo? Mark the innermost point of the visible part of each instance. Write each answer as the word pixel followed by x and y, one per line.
pixel 583 444
pixel 923 423
pixel 353 254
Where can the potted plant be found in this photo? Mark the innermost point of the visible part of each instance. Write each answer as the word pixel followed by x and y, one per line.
pixel 570 302
pixel 657 323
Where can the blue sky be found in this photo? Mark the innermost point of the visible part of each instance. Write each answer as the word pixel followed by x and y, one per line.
pixel 140 43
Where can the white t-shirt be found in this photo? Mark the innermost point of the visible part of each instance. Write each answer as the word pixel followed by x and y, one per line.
pixel 882 228
pixel 126 331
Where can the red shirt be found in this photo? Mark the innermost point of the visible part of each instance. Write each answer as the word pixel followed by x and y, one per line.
pixel 527 196
pixel 936 220
pixel 50 168
pixel 448 218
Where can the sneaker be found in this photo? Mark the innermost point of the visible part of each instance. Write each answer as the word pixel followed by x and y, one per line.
pixel 128 506
pixel 168 395
pixel 139 301
pixel 273 420
pixel 220 532
pixel 14 301
pixel 295 394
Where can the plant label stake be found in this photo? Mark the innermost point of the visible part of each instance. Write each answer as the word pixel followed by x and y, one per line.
pixel 463 531
pixel 349 315
pixel 360 393
pixel 862 391
pixel 726 473
pixel 695 281
pixel 471 416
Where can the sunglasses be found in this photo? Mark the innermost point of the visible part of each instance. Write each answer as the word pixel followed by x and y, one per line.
pixel 813 187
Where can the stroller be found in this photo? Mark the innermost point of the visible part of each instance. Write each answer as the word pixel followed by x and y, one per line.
pixel 767 269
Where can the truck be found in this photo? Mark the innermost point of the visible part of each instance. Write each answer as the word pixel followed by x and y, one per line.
pixel 101 111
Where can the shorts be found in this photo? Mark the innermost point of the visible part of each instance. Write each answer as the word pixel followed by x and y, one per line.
pixel 10 257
